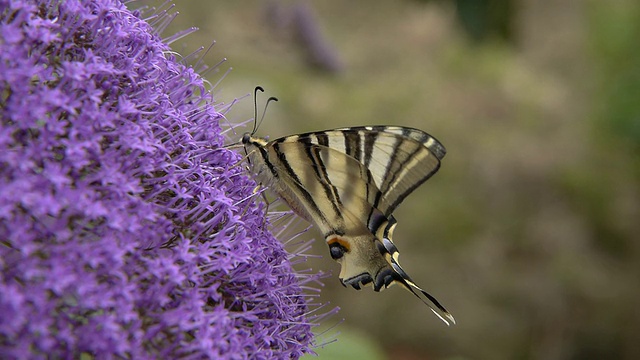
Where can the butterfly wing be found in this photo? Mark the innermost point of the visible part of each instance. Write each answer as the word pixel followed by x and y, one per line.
pixel 396 159
pixel 399 159
pixel 320 183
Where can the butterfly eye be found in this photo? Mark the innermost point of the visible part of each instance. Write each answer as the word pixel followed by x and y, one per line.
pixel 337 251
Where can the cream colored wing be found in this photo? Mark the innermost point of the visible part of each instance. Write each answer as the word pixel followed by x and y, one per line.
pixel 399 159
pixel 319 183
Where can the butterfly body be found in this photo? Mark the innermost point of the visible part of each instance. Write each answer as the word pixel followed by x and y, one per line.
pixel 348 182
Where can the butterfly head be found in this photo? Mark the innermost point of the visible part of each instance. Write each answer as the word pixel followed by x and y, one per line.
pixel 249 140
pixel 253 146
pixel 246 138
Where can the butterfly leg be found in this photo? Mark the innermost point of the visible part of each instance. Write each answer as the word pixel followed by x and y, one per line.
pixel 260 188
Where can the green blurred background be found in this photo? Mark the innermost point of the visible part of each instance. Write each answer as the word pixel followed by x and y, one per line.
pixel 529 232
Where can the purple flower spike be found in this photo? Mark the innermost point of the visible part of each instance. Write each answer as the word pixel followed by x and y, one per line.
pixel 125 230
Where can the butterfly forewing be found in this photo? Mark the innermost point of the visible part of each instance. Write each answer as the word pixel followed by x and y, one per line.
pixel 328 183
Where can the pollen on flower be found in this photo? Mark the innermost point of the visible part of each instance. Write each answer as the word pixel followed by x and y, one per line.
pixel 125 227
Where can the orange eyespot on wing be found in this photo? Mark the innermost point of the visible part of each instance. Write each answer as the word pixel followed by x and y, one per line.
pixel 340 241
pixel 338 247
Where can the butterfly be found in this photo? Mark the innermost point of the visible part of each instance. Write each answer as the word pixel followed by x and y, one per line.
pixel 347 182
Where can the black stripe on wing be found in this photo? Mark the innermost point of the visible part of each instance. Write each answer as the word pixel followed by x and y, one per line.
pixel 369 143
pixel 330 191
pixel 352 145
pixel 282 157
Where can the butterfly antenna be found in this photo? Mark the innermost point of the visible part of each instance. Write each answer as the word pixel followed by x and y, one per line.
pixel 255 108
pixel 256 124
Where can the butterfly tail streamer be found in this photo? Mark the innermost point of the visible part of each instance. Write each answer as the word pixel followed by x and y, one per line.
pixel 441 312
pixel 432 303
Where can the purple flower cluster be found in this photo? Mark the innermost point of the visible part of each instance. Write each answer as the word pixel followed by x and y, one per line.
pixel 125 229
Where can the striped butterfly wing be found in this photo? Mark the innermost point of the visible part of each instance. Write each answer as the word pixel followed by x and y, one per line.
pixel 400 159
pixel 348 182
pixel 319 183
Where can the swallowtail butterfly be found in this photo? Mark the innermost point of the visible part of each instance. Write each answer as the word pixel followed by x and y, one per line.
pixel 348 182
